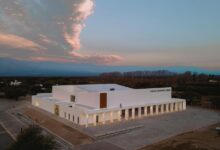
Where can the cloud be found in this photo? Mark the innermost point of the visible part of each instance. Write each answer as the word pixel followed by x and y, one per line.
pixel 83 10
pixel 78 58
pixel 97 59
pixel 51 59
pixel 50 29
pixel 18 42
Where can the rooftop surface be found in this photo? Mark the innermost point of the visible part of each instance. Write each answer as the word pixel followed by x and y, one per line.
pixel 102 87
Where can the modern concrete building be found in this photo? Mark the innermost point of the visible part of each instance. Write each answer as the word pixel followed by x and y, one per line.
pixel 94 104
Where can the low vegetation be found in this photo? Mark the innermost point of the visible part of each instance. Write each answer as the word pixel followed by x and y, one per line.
pixel 33 139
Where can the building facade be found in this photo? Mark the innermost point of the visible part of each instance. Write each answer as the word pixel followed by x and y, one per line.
pixel 95 104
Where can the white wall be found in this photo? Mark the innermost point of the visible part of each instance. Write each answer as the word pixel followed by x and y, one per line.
pixel 43 104
pixel 136 97
pixel 114 98
pixel 88 99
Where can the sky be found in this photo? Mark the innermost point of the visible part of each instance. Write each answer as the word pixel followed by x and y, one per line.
pixel 112 32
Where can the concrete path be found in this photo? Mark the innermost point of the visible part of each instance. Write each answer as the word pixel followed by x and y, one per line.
pixel 101 145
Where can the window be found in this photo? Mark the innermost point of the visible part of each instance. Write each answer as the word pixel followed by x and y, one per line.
pixel 72 98
pixel 69 116
pixel 73 118
pixel 78 120
pixel 65 114
pixel 97 119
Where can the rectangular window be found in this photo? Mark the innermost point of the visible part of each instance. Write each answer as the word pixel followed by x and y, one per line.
pixel 65 114
pixel 72 98
pixel 97 119
pixel 73 118
pixel 69 116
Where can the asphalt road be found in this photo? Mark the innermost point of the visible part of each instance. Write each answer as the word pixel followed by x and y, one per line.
pixel 13 122
pixel 5 138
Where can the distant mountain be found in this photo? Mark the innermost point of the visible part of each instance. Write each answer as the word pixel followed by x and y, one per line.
pixel 139 74
pixel 11 67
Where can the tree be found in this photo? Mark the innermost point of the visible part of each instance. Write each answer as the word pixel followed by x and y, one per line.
pixel 191 96
pixel 14 92
pixel 33 139
pixel 215 102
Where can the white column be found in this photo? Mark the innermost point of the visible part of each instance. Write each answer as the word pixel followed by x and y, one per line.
pixel 111 117
pixel 171 107
pixel 184 105
pixel 126 114
pixel 181 106
pixel 139 112
pixel 151 110
pixel 145 111
pixel 103 118
pixel 133 113
pixel 156 110
pixel 94 119
pixel 167 108
pixel 87 120
pixel 176 106
pixel 119 115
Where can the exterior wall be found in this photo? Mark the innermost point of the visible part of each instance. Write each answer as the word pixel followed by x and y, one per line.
pixel 105 115
pixel 88 99
pixel 129 99
pixel 137 97
pixel 43 104
pixel 124 97
pixel 49 105
pixel 72 111
pixel 114 98
pixel 62 93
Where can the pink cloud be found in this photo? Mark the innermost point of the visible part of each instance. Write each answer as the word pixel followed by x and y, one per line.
pixel 74 40
pixel 18 42
pixel 46 40
pixel 83 10
pixel 78 58
pixel 97 59
pixel 50 59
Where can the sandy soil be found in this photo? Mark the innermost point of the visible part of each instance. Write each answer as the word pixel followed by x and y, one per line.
pixel 71 135
pixel 202 139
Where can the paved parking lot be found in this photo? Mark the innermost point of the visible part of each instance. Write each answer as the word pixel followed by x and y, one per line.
pixel 12 123
pixel 101 145
pixel 152 129
pixel 5 138
pixel 157 128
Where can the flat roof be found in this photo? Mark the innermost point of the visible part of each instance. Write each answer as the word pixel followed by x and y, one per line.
pixel 102 87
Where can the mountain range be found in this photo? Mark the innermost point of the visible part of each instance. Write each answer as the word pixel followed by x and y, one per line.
pixel 12 67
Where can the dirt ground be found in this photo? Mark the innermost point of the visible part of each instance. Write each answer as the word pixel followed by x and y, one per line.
pixel 69 134
pixel 202 139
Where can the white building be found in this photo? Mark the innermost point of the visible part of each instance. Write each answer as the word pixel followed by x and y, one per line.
pixel 94 104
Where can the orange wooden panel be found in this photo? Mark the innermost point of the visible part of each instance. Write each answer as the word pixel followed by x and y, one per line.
pixel 103 100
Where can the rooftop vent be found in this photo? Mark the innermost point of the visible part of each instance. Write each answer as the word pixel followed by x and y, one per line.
pixel 112 89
